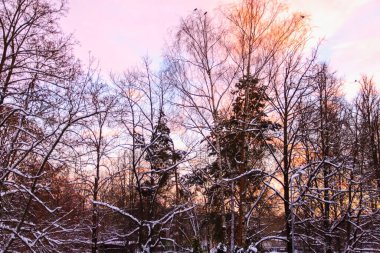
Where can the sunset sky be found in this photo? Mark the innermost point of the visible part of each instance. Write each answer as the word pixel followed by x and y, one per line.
pixel 119 32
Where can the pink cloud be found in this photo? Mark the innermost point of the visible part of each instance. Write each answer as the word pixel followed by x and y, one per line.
pixel 119 32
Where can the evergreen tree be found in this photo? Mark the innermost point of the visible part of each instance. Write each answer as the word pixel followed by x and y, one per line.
pixel 243 145
pixel 161 156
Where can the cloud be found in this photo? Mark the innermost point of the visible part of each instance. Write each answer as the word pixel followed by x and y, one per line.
pixel 327 16
pixel 351 36
pixel 119 32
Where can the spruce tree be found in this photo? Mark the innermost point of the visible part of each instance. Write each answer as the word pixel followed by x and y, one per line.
pixel 243 143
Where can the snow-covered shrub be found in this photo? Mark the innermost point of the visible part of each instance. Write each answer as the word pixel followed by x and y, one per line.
pixel 252 249
pixel 238 250
pixel 221 248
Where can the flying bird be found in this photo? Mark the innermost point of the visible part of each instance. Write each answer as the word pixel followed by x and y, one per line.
pixel 205 13
pixel 195 9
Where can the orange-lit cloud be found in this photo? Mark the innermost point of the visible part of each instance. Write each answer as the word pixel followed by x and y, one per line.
pixel 351 36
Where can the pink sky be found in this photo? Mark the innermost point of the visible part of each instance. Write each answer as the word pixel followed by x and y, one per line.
pixel 119 32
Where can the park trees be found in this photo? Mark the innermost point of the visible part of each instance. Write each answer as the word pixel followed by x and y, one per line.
pixel 270 153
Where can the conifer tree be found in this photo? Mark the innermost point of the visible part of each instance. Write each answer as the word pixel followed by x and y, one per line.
pixel 243 144
pixel 161 156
